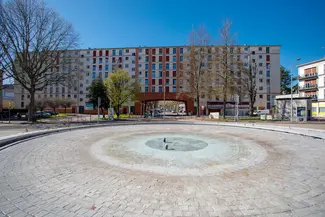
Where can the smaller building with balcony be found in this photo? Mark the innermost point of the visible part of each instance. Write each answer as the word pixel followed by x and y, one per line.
pixel 311 83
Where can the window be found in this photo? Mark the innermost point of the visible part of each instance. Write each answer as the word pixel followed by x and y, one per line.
pixel 160 51
pixel 167 66
pixel 167 50
pixel 268 74
pixel 127 51
pixel 246 57
pixel 153 89
pixel 153 81
pixel 253 52
pixel 174 81
pixel 94 75
pixel 147 66
pixel 174 73
pixel 167 58
pixel 167 81
pixel 181 50
pixel 261 96
pixel 160 74
pixel 126 66
pixel 22 104
pixel 94 68
pixel 106 67
pixel 140 50
pixel 126 58
pixel 146 74
pixel 321 109
pixel 174 65
pixel 106 74
pixel 146 81
pixel 174 89
pixel 87 82
pixel 140 57
pixel 146 89
pixel 268 81
pixel 260 56
pixel 260 49
pixel 267 49
pixel 81 99
pixel 181 58
pixel 100 60
pixel 160 66
pixel 94 60
pixel 106 53
pixel 253 60
pixel 140 81
pixel 260 72
pixel 81 85
pixel 267 57
pixel 268 105
pixel 268 65
pixel 147 59
pixel 261 88
pixel 140 65
pixel 167 73
pixel 260 64
pixel 94 53
pixel 120 52
pixel 133 61
pixel 246 49
pixel 153 51
pixel 174 50
pixel 268 97
pixel 114 52
pixel 74 96
pixel 88 52
pixel 153 66
pixel 160 81
pixel 261 80
pixel 174 58
pixel 100 68
pixel 153 74
pixel 106 60
pixel 160 89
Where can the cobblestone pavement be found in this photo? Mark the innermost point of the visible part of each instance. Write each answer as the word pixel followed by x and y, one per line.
pixel 63 175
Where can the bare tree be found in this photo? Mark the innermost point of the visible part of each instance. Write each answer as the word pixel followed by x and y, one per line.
pixel 33 41
pixel 53 103
pixel 40 104
pixel 248 81
pixel 195 73
pixel 226 57
pixel 66 103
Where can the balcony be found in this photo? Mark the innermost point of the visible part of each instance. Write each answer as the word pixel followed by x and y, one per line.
pixel 308 87
pixel 312 96
pixel 308 76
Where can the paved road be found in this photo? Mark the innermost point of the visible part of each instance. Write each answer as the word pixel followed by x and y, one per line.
pixel 66 175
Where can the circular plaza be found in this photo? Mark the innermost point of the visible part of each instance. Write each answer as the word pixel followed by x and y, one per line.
pixel 164 170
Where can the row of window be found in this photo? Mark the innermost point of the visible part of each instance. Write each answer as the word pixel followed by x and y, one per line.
pixel 100 60
pixel 160 89
pixel 141 50
pixel 160 73
pixel 153 81
pixel 160 66
pixel 160 51
pixel 160 58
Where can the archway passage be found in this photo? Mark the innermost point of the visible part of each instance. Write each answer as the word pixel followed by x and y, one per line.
pixel 145 98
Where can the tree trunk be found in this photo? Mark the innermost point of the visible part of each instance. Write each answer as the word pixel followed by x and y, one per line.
pixel 101 108
pixel 251 106
pixel 197 105
pixel 31 106
pixel 118 112
pixel 224 105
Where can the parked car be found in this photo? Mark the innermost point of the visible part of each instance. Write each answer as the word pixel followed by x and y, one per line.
pixel 40 114
pixel 52 113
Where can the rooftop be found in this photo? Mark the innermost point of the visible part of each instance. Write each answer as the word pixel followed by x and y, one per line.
pixel 312 62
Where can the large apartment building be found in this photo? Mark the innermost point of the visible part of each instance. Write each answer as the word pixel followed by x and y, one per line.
pixel 157 70
pixel 312 84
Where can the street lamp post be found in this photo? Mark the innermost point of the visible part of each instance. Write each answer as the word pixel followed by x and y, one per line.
pixel 291 119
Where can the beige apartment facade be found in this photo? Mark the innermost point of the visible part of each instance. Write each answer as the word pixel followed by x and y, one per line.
pixel 157 70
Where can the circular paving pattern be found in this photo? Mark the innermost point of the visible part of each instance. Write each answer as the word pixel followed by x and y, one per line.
pixel 125 171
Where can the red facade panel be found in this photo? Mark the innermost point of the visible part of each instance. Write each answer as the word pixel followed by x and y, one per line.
pixel 100 53
pixel 107 53
pixel 94 53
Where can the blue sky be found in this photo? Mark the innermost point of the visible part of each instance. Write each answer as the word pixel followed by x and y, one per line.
pixel 299 26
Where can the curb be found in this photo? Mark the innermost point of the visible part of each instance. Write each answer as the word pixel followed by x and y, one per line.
pixel 14 139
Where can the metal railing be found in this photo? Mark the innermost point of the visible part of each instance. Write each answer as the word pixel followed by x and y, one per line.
pixel 312 96
pixel 308 86
pixel 309 75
